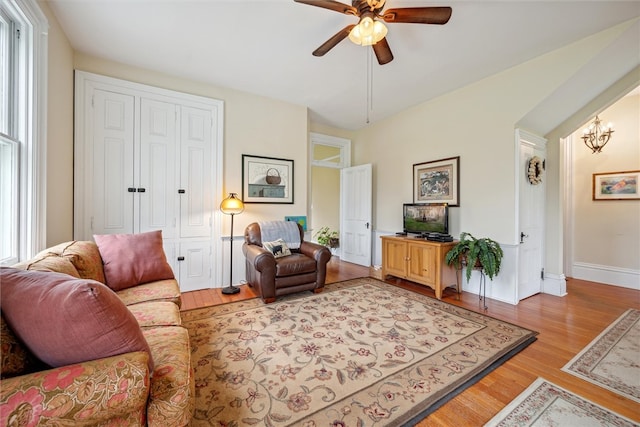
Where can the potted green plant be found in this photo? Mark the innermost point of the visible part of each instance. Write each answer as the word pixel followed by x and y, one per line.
pixel 327 237
pixel 473 253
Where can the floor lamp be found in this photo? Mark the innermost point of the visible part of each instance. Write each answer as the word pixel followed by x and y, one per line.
pixel 231 206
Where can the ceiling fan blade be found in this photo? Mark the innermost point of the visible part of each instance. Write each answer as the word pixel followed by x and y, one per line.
pixel 383 52
pixel 330 44
pixel 418 15
pixel 331 5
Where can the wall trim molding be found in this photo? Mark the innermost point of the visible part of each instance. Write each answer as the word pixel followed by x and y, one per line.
pixel 608 275
pixel 554 284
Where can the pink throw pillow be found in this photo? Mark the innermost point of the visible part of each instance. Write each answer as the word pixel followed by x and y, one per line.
pixel 64 320
pixel 133 259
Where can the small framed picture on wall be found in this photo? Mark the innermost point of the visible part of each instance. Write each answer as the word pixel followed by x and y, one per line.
pixel 267 179
pixel 616 185
pixel 437 181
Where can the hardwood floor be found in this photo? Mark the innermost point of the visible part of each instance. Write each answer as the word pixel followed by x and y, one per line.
pixel 565 325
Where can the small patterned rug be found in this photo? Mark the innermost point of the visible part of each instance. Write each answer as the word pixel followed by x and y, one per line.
pixel 612 359
pixel 362 353
pixel 546 404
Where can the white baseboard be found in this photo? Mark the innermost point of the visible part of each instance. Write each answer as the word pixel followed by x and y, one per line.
pixel 555 284
pixel 616 276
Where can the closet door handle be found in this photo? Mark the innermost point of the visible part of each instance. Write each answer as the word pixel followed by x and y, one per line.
pixel 141 190
pixel 181 191
pixel 131 190
pixel 180 258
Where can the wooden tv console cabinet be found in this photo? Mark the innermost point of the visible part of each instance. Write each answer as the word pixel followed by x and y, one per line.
pixel 418 260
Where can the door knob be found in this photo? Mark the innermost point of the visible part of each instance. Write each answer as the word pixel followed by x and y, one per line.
pixel 522 236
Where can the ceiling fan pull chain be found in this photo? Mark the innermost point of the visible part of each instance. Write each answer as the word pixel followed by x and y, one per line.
pixel 369 84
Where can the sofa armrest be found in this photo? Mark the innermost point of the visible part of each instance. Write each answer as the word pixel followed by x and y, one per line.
pixel 89 393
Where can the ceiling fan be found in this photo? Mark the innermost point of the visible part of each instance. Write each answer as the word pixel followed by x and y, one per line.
pixel 370 31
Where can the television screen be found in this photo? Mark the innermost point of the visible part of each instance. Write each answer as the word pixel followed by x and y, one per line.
pixel 426 218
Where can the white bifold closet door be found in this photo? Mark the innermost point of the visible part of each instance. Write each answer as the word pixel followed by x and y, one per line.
pixel 149 166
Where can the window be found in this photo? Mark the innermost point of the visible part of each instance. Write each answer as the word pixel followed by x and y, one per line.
pixel 330 151
pixel 22 129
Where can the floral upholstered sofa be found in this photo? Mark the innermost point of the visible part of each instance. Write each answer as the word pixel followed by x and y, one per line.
pixel 80 349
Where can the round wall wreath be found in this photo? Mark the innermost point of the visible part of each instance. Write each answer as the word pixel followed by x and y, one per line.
pixel 535 170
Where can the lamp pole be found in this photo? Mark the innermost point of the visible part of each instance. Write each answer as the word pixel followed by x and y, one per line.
pixel 231 206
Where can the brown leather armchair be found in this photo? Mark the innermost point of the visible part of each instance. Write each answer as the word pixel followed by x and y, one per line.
pixel 304 270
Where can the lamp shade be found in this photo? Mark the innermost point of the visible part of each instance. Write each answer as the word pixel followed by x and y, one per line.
pixel 232 205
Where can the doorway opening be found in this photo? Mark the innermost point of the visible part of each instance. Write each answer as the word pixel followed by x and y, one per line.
pixel 329 155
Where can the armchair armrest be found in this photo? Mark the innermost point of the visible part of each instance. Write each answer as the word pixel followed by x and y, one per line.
pixel 88 393
pixel 320 253
pixel 260 258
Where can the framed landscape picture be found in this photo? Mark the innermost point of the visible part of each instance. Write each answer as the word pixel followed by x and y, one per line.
pixel 267 180
pixel 437 181
pixel 616 185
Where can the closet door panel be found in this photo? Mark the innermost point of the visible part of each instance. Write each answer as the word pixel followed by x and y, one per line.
pixel 195 173
pixel 113 166
pixel 195 268
pixel 157 160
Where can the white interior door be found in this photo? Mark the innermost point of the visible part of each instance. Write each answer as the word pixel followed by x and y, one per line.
pixel 195 173
pixel 531 219
pixel 355 214
pixel 110 208
pixel 157 168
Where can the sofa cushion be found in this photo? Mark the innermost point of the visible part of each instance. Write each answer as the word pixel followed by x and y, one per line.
pixel 278 248
pixel 63 320
pixel 162 290
pixel 133 259
pixel 84 256
pixel 50 262
pixel 156 313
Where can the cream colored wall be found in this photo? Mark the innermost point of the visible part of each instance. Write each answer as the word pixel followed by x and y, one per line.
pixel 253 125
pixel 59 134
pixel 325 195
pixel 607 233
pixel 332 131
pixel 476 123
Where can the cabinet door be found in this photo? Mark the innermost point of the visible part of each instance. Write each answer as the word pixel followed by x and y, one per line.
pixel 195 173
pixel 157 198
pixel 394 253
pixel 422 263
pixel 194 267
pixel 111 206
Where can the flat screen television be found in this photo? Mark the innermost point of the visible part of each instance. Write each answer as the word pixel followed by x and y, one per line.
pixel 425 218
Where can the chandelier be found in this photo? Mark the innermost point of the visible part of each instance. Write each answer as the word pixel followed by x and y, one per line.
pixel 596 135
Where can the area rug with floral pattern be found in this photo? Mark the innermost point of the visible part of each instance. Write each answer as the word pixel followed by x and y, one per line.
pixel 361 353
pixel 546 404
pixel 612 359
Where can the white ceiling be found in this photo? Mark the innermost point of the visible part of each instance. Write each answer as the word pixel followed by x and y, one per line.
pixel 264 46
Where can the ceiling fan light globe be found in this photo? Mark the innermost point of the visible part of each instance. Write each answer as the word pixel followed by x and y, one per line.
pixel 368 32
pixel 379 31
